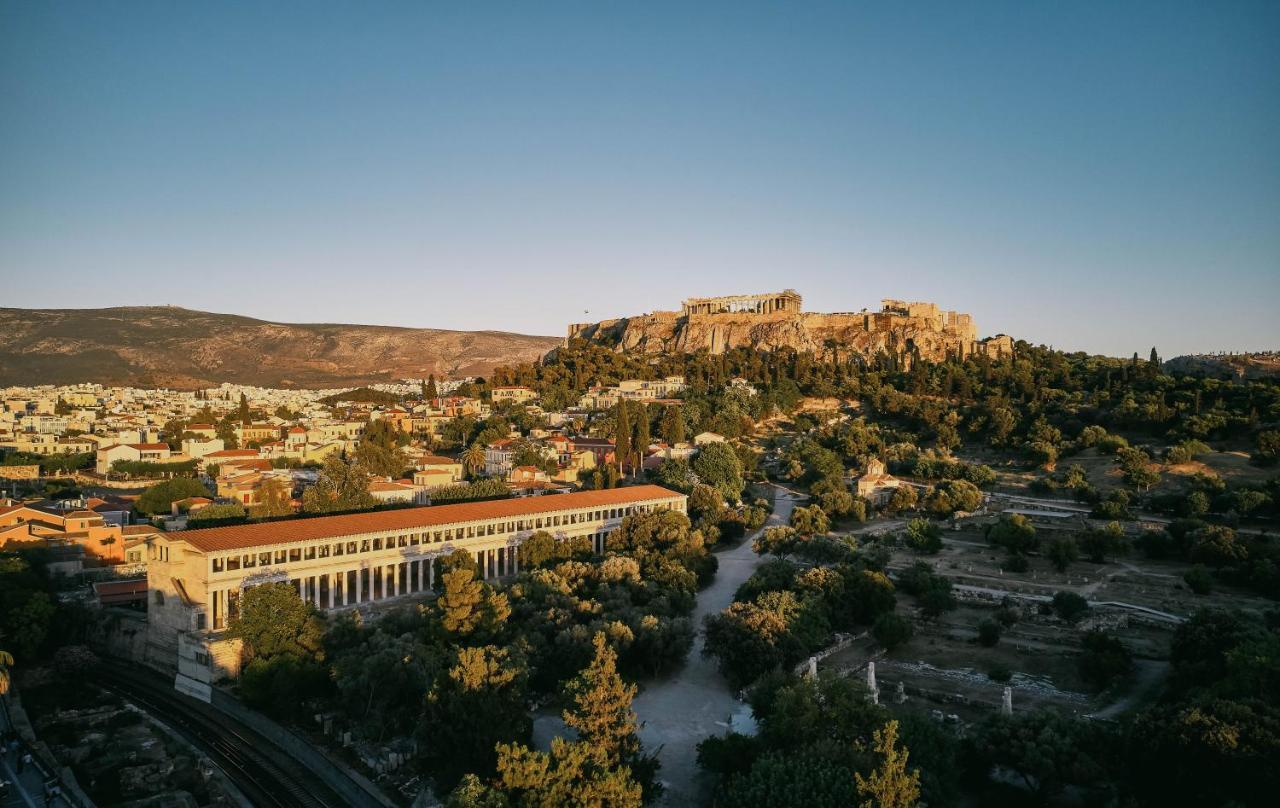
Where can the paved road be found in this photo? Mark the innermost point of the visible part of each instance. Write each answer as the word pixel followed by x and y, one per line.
pixel 681 710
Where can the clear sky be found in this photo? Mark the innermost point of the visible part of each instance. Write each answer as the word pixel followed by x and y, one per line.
pixel 1098 176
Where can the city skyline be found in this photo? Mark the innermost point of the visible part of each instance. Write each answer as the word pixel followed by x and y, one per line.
pixel 1092 178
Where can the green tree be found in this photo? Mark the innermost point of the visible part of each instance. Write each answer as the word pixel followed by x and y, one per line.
pixel 160 497
pixel 381 680
pixel 622 436
pixel 600 711
pixel 1104 660
pixel 719 466
pixel 1048 751
pixel 675 473
pixel 892 630
pixel 671 426
pixel 1097 543
pixel 342 486
pixel 903 499
pixel 273 500
pixel 950 496
pixel 809 521
pixel 1069 605
pixel 431 392
pixel 600 708
pixel 478 705
pixel 537 550
pixel 571 776
pixel 243 415
pixel 1063 552
pixel 473 459
pixel 923 536
pixel 273 621
pixel 379 449
pixel 989 632
pixel 890 784
pixel 1014 532
pixel 779 540
pixel 641 440
pixel 468 605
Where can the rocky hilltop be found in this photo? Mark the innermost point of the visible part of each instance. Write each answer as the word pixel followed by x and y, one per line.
pixel 165 346
pixel 774 321
pixel 1260 365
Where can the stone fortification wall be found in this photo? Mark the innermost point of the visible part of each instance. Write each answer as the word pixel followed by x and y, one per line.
pixel 899 329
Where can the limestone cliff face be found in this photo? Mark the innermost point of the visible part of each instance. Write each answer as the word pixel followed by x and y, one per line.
pixel 865 334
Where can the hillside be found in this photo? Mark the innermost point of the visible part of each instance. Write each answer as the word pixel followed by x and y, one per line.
pixel 1262 365
pixel 164 346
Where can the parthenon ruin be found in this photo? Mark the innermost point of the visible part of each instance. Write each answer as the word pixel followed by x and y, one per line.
pixel 903 329
pixel 786 300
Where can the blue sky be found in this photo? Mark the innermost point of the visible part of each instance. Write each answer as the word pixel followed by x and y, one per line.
pixel 1095 176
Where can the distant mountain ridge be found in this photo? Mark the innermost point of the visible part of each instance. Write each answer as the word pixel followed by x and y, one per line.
pixel 168 346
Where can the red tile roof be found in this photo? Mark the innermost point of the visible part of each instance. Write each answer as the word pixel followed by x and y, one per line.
pixel 235 537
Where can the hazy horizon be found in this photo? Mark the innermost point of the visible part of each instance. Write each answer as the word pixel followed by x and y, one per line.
pixel 1086 176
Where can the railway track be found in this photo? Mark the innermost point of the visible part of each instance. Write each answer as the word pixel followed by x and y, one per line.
pixel 266 774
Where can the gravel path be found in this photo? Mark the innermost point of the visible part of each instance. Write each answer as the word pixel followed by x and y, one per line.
pixel 679 711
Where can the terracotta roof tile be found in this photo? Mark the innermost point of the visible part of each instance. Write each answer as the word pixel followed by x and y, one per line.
pixel 235 537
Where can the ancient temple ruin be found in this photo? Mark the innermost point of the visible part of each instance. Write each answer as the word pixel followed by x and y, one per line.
pixel 786 300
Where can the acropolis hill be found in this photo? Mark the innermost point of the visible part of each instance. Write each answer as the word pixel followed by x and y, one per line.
pixel 772 321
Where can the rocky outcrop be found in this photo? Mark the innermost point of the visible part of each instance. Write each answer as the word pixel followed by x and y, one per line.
pixel 866 334
pixel 165 346
pixel 1261 365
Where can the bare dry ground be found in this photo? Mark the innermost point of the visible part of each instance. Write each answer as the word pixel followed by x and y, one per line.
pixel 944 668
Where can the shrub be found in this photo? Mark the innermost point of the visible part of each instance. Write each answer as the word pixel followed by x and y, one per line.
pixel 923 536
pixel 1199 580
pixel 1062 553
pixel 892 630
pixel 1104 660
pixel 1070 606
pixel 1014 532
pixel 989 633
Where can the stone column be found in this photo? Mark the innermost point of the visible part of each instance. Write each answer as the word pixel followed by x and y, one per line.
pixel 422 562
pixel 333 580
pixel 315 591
pixel 360 584
pixel 431 572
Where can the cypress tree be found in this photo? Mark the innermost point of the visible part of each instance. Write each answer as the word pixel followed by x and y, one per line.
pixel 601 707
pixel 622 435
pixel 641 440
